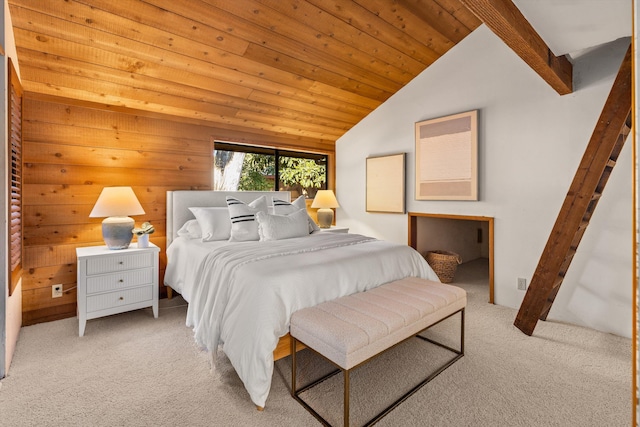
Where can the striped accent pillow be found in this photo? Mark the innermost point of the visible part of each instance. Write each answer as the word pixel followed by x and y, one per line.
pixel 244 227
pixel 281 207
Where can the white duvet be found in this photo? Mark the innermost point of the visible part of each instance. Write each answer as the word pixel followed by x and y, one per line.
pixel 241 296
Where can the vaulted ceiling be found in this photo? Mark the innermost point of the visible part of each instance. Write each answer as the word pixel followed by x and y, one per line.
pixel 307 69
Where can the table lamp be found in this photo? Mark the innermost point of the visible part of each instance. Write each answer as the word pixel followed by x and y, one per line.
pixel 325 200
pixel 117 203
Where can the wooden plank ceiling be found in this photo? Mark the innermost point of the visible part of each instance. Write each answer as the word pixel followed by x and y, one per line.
pixel 304 69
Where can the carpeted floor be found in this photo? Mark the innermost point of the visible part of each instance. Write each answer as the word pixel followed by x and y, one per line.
pixel 134 370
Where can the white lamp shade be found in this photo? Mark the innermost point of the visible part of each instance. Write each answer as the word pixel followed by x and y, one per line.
pixel 325 199
pixel 116 201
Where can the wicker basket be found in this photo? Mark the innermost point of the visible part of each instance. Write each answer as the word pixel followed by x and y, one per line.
pixel 444 264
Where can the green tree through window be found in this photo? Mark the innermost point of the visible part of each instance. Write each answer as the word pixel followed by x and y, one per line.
pixel 248 168
pixel 306 175
pixel 258 173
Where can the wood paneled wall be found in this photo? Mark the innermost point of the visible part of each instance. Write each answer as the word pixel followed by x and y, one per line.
pixel 70 153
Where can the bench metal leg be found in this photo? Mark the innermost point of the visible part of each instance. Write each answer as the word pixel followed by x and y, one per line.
pixel 346 398
pixel 296 393
pixel 293 367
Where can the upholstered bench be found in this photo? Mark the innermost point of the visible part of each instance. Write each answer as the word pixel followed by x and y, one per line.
pixel 351 330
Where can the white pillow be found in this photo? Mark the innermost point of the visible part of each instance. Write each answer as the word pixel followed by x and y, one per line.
pixel 244 227
pixel 281 207
pixel 190 230
pixel 214 223
pixel 278 227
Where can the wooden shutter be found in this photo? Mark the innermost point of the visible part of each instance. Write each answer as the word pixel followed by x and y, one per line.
pixel 15 178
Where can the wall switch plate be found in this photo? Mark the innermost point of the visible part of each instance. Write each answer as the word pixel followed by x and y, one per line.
pixel 56 291
pixel 522 284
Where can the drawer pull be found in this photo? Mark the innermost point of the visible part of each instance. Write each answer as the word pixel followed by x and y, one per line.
pixel 120 281
pixel 121 262
pixel 121 298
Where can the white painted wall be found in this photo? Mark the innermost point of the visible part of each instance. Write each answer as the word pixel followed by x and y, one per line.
pixel 530 142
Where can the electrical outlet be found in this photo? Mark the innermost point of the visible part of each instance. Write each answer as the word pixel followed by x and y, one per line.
pixel 56 291
pixel 522 284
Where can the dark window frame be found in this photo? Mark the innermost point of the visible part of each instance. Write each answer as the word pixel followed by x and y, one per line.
pixel 277 153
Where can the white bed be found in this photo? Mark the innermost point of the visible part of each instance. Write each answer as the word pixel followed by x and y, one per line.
pixel 241 294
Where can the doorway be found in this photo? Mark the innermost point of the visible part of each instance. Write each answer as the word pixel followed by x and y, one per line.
pixel 469 236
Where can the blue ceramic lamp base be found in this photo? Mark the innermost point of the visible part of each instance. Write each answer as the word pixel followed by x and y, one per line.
pixel 117 231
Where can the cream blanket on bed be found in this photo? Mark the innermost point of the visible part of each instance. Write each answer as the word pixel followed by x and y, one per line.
pixel 244 295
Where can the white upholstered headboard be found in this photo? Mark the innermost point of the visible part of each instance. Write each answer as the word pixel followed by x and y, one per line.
pixel 179 202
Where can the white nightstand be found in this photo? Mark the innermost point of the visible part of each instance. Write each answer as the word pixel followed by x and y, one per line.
pixel 334 229
pixel 115 281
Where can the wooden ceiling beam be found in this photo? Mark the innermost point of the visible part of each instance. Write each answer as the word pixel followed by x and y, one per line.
pixel 508 23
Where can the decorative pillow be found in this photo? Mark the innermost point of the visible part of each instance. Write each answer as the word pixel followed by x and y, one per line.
pixel 243 220
pixel 214 223
pixel 278 227
pixel 281 207
pixel 191 230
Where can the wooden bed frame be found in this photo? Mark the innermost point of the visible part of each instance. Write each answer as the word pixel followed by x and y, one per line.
pixel 283 349
pixel 178 204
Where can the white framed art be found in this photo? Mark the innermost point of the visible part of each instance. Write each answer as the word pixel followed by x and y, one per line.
pixel 386 184
pixel 447 157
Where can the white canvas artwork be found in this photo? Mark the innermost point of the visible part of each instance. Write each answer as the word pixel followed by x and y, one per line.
pixel 446 158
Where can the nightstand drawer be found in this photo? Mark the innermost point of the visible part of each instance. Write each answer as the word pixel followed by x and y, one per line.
pixel 121 280
pixel 126 261
pixel 116 299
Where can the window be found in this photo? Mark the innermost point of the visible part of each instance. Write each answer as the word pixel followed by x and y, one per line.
pixel 247 168
pixel 15 178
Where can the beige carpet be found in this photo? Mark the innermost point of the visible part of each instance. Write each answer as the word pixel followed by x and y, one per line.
pixel 134 370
